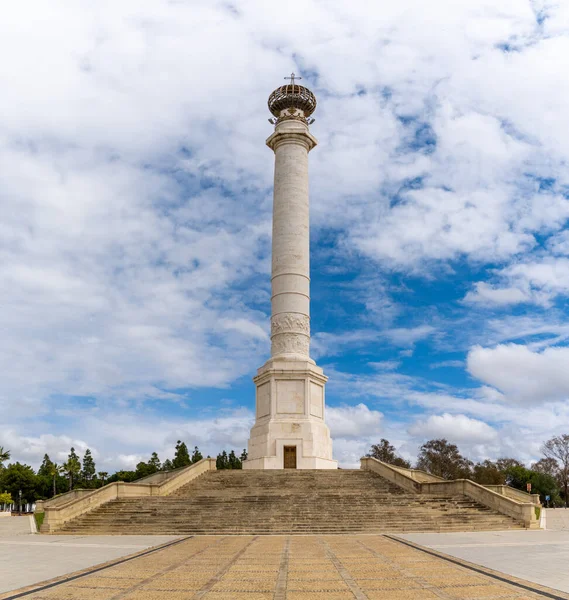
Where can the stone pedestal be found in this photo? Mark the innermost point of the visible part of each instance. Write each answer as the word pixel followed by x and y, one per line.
pixel 290 412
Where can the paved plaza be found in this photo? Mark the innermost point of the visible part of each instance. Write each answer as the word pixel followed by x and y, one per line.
pixel 285 568
pixel 538 556
pixel 28 559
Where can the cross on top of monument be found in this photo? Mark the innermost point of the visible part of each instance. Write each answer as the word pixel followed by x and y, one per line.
pixel 292 78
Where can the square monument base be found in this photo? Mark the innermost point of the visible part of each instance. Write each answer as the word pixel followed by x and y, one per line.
pixel 290 431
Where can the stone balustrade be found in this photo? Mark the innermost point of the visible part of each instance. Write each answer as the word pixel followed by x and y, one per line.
pixel 60 512
pixel 519 510
pixel 519 495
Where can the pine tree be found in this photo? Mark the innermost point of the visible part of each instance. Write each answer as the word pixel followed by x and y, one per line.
pixel 45 468
pixel 196 455
pixel 89 469
pixel 72 468
pixel 182 456
pixel 243 456
pixel 234 462
pixel 154 462
pixel 221 461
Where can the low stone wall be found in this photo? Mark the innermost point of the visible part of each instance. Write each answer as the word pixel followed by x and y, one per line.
pixel 418 474
pixel 61 499
pixel 58 514
pixel 519 495
pixel 521 511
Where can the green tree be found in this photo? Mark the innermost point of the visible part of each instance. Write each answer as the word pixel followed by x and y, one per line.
pixel 222 462
pixel 72 468
pixel 243 456
pixel 127 476
pixel 385 452
pixel 4 456
pixel 16 477
pixel 44 485
pixel 45 467
pixel 233 461
pixel 503 464
pixel 443 459
pixel 181 456
pixel 88 471
pixel 547 466
pixel 542 484
pixel 102 476
pixel 557 448
pixel 143 469
pixel 55 471
pixel 154 462
pixel 196 455
pixel 5 499
pixel 488 473
pixel 167 465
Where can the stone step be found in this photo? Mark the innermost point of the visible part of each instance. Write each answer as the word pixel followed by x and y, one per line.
pixel 298 502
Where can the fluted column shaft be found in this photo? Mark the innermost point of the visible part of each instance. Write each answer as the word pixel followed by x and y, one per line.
pixel 290 282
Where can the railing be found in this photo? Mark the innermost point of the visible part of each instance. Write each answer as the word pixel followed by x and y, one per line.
pixel 514 494
pixel 58 514
pixel 521 511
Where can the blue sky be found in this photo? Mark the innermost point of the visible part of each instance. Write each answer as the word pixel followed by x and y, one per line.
pixel 136 198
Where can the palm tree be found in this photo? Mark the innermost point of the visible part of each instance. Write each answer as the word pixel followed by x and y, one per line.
pixel 54 471
pixel 4 456
pixel 72 468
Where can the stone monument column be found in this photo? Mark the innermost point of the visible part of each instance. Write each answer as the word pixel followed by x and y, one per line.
pixel 289 430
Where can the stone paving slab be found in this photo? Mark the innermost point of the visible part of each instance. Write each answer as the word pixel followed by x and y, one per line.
pixel 16 526
pixel 360 567
pixel 539 556
pixel 29 559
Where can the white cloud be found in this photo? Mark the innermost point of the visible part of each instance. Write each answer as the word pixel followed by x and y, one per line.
pixel 385 365
pixel 522 375
pixel 353 422
pixel 455 428
pixel 536 282
pixel 488 294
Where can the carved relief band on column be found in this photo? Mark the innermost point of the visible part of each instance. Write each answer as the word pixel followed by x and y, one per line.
pixel 290 323
pixel 290 343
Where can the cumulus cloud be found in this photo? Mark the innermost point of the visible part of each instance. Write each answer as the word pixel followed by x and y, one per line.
pixel 353 422
pixel 455 428
pixel 522 375
pixel 535 282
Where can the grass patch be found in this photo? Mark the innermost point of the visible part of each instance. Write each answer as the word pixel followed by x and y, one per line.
pixel 39 519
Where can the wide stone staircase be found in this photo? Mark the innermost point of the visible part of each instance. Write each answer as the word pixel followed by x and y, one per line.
pixel 292 502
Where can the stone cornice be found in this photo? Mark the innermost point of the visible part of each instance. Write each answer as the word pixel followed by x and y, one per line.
pixel 280 137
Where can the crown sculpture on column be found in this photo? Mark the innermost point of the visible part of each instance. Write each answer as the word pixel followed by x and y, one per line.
pixel 292 101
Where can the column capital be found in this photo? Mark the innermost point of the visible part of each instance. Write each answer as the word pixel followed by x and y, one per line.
pixel 291 132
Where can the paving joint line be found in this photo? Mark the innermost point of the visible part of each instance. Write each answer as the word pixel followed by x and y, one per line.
pixel 47 586
pixel 356 590
pixel 219 575
pixel 482 571
pixel 408 574
pixel 280 592
pixel 142 583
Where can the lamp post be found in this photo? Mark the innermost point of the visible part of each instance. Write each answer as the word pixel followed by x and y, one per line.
pixel 20 495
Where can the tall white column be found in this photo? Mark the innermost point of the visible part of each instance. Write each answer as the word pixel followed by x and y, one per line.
pixel 289 386
pixel 290 301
